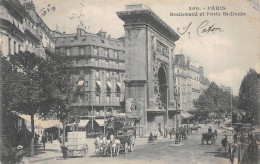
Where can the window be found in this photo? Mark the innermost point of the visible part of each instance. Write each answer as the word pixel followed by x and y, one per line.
pixel 116 54
pixel 97 74
pixel 14 47
pixel 107 63
pixel 87 96
pixel 106 53
pixel 68 51
pixel 95 51
pixel 107 75
pixel 98 87
pixel 117 65
pixel 108 99
pixel 117 89
pixel 96 62
pixel 97 99
pixel 19 47
pixel 9 45
pixel 81 51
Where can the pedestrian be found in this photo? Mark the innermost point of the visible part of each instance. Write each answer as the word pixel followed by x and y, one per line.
pixel 155 136
pixel 224 143
pixel 44 140
pixel 170 133
pixel 51 138
pixel 210 130
pixel 235 138
pixel 242 140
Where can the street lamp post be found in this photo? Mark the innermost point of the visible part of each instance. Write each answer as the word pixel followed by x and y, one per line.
pixel 104 96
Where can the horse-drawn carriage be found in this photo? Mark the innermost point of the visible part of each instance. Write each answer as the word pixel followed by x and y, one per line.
pixel 210 136
pixel 195 128
pixel 119 136
pixel 76 144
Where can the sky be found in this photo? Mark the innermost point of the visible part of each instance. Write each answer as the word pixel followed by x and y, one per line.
pixel 226 54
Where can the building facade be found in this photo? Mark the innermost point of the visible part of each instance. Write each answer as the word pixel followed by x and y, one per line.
pixel 21 29
pixel 190 81
pixel 97 70
pixel 149 93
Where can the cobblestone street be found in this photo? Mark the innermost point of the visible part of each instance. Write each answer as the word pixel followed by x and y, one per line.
pixel 162 151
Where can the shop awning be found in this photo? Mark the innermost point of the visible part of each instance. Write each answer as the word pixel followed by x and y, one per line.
pixel 119 85
pixel 185 115
pixel 109 85
pixel 80 83
pixel 99 83
pixel 40 123
pixel 83 123
pixel 100 122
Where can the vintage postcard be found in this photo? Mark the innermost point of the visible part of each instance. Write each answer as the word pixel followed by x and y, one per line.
pixel 130 81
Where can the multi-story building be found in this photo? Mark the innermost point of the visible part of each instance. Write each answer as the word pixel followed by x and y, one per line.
pixel 225 88
pixel 97 69
pixel 22 29
pixel 190 81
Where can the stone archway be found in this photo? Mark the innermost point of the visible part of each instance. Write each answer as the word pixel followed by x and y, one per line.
pixel 162 79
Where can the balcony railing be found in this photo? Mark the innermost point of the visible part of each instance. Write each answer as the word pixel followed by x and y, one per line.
pixel 95 103
pixel 50 48
pixel 33 31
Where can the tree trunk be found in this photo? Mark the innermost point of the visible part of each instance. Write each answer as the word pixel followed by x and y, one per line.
pixel 63 134
pixel 32 139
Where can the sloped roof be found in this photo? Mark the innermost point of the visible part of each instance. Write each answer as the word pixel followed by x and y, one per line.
pixel 89 39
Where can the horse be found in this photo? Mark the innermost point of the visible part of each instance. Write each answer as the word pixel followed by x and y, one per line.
pixel 196 129
pixel 97 143
pixel 102 145
pixel 114 145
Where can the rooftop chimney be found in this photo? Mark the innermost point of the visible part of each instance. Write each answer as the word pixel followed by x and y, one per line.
pixel 29 5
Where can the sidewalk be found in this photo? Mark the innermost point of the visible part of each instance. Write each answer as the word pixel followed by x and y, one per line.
pixel 52 151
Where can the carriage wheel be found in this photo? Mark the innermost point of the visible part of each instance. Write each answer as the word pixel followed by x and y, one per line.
pixel 85 150
pixel 126 147
pixel 132 147
pixel 71 153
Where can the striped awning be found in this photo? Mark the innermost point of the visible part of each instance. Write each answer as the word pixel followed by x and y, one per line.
pixel 119 85
pixel 99 83
pixel 100 122
pixel 109 85
pixel 83 123
pixel 80 83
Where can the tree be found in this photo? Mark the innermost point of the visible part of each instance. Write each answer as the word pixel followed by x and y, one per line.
pixel 60 89
pixel 214 103
pixel 249 97
pixel 205 105
pixel 23 86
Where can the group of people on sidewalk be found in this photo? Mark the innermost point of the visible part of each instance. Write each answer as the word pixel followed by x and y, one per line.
pixel 47 138
pixel 238 146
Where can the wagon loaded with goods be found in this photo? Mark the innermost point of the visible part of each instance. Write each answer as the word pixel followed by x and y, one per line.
pixel 76 144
